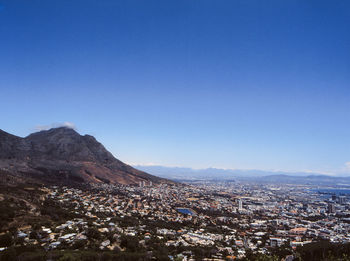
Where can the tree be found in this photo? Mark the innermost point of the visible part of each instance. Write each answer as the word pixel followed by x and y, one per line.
pixel 6 240
pixel 130 243
pixel 93 233
pixel 8 255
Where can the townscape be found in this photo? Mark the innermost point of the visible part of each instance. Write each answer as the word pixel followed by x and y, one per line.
pixel 194 221
pixel 178 130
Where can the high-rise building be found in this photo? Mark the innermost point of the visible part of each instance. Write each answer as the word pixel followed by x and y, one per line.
pixel 331 208
pixel 240 205
pixel 342 199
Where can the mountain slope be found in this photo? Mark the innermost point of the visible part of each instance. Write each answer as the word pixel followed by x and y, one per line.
pixel 61 154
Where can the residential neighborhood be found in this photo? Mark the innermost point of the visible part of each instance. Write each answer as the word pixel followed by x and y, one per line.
pixel 230 219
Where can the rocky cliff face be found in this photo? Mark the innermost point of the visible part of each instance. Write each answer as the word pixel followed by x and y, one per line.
pixel 62 154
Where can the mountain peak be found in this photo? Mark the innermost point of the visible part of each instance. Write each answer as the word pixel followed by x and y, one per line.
pixel 62 129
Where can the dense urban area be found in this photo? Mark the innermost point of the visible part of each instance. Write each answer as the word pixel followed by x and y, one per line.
pixel 194 221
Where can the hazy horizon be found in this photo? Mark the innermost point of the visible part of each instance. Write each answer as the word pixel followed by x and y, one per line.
pixel 259 172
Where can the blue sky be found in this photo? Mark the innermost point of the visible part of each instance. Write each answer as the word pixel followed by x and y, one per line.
pixel 229 84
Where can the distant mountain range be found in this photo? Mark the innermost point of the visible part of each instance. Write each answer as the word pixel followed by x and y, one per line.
pixel 214 174
pixel 63 155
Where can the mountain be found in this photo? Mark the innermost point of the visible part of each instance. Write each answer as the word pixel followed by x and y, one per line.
pixel 259 176
pixel 214 173
pixel 63 155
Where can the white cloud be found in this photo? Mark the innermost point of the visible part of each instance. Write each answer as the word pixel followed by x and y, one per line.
pixel 344 170
pixel 67 124
pixel 143 164
pixel 70 125
pixel 347 165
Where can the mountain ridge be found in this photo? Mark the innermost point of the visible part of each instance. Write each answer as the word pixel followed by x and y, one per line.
pixel 207 172
pixel 260 176
pixel 63 154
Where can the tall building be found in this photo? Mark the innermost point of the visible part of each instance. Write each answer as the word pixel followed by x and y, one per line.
pixel 240 205
pixel 342 199
pixel 331 208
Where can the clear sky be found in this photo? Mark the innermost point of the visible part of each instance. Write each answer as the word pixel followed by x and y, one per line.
pixel 221 83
